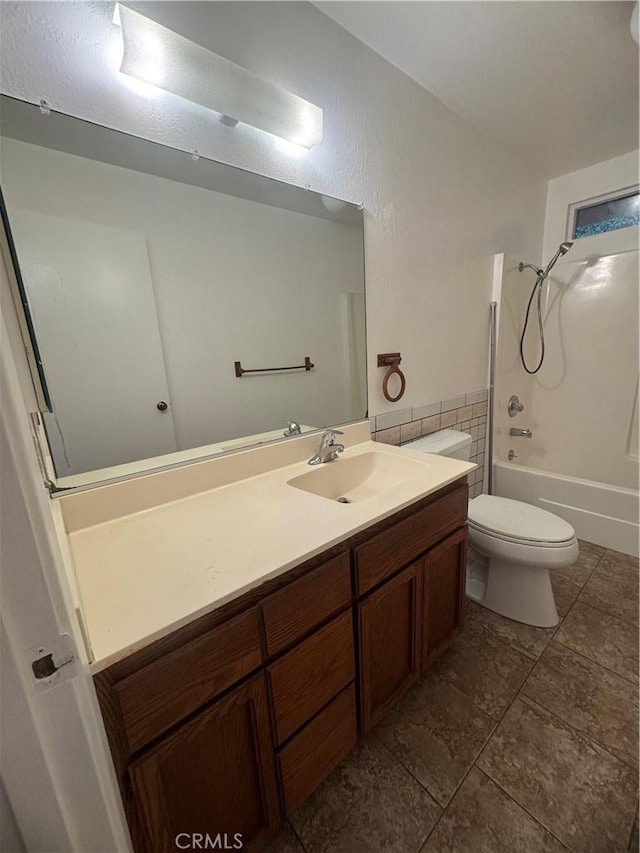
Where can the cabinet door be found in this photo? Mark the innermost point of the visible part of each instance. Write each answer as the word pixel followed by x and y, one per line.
pixel 215 775
pixel 443 590
pixel 390 641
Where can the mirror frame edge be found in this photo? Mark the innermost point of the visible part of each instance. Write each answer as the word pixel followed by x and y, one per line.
pixel 16 286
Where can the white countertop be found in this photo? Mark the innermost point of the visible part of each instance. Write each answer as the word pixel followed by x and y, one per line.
pixel 144 575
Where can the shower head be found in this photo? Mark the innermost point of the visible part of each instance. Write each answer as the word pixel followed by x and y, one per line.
pixel 563 248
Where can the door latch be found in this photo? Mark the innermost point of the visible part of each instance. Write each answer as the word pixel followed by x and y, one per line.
pixel 53 662
pixel 45 667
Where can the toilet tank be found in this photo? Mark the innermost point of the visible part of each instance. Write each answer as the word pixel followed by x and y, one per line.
pixel 445 442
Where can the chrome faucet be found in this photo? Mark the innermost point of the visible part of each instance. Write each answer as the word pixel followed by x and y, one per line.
pixel 293 428
pixel 328 450
pixel 523 433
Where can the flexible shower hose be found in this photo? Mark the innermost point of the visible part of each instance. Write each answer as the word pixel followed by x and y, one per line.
pixel 537 286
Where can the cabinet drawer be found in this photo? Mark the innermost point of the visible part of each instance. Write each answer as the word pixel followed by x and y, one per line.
pixel 382 555
pixel 163 693
pixel 321 745
pixel 294 611
pixel 307 677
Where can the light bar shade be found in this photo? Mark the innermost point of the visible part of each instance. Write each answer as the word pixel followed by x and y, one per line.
pixel 167 60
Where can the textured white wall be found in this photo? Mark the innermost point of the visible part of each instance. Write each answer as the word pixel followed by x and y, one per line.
pixel 440 197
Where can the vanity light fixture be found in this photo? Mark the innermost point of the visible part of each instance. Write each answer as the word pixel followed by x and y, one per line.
pixel 158 56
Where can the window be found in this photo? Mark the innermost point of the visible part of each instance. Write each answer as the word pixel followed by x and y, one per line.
pixel 606 213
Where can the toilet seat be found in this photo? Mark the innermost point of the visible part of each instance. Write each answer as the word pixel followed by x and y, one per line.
pixel 518 523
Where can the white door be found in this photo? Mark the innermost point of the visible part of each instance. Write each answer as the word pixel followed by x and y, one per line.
pixel 56 769
pixel 91 295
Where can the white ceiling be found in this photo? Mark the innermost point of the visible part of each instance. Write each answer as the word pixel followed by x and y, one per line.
pixel 557 82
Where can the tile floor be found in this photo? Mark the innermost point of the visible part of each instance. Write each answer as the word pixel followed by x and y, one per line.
pixel 518 739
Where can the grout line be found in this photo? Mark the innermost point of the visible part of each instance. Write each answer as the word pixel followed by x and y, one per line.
pixel 520 695
pixel 631 834
pixel 598 663
pixel 606 612
pixel 424 788
pixel 524 809
pixel 422 785
pixel 462 781
pixel 582 734
pixel 299 840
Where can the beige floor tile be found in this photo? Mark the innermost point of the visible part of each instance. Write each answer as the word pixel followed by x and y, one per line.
pixel 525 639
pixel 286 842
pixel 581 793
pixel 588 559
pixel 369 804
pixel 436 732
pixel 613 588
pixel 622 560
pixel 483 819
pixel 591 699
pixel 591 547
pixel 565 590
pixel 604 639
pixel 483 668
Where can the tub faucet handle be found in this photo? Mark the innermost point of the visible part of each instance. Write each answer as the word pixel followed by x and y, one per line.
pixel 514 406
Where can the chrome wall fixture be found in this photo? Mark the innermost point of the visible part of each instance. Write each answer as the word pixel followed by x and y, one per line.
pixel 520 433
pixel 162 58
pixel 514 406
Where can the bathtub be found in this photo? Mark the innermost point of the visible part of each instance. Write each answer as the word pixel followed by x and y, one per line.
pixel 599 512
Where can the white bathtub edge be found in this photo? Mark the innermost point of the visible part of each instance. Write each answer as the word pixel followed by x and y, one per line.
pixel 599 512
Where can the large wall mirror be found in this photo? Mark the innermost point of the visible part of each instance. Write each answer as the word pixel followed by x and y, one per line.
pixel 150 272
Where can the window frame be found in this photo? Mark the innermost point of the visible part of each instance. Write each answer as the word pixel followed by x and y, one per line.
pixel 576 206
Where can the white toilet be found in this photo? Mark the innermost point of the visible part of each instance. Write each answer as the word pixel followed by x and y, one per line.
pixel 512 546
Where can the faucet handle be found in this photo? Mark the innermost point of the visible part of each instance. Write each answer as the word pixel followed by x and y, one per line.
pixel 329 434
pixel 293 428
pixel 514 406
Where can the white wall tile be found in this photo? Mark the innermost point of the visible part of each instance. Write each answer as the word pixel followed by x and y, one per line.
pixel 476 397
pixel 453 403
pixel 391 419
pixel 427 411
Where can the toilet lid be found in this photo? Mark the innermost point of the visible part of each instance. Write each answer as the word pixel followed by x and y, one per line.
pixel 517 520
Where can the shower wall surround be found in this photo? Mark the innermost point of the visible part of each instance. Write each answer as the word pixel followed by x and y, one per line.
pixel 467 413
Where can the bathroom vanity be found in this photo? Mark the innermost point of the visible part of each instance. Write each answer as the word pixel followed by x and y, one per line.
pixel 229 722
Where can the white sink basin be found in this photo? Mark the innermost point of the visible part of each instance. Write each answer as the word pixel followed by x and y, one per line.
pixel 360 477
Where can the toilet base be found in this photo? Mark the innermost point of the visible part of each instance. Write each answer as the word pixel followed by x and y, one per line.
pixel 517 591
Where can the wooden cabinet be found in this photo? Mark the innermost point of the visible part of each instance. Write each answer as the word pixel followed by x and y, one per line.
pixel 302 605
pixel 214 775
pixel 311 674
pixel 443 595
pixel 227 725
pixel 390 635
pixel 399 544
pixel 196 672
pixel 312 754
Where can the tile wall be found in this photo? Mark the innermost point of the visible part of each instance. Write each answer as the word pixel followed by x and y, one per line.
pixel 467 413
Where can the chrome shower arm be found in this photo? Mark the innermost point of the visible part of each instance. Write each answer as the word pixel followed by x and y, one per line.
pixel 536 270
